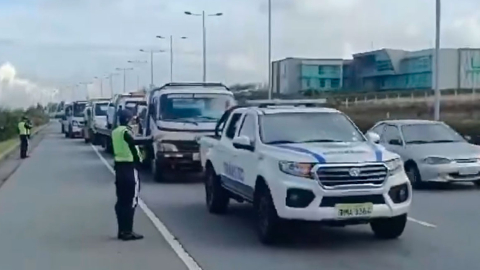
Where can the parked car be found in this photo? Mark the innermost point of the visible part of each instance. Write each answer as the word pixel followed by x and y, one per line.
pixel 432 151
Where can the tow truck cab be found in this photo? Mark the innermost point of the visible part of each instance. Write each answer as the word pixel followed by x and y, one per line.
pixel 176 115
pixel 75 119
pixel 95 118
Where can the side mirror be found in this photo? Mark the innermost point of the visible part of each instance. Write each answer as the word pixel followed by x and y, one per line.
pixel 373 137
pixel 243 142
pixel 468 138
pixel 395 142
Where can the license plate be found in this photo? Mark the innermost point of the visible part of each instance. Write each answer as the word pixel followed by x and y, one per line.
pixel 196 156
pixel 354 210
pixel 468 171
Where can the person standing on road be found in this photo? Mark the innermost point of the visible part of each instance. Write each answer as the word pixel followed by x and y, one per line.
pixel 127 160
pixel 23 130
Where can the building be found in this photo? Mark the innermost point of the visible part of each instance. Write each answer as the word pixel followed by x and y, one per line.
pixel 381 70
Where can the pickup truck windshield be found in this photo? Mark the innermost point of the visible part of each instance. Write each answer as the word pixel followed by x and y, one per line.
pixel 307 128
pixel 429 133
pixel 78 109
pixel 101 109
pixel 195 107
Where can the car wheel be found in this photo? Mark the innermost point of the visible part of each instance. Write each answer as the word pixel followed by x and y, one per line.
pixel 414 176
pixel 268 222
pixel 63 129
pixel 158 173
pixel 389 228
pixel 477 183
pixel 217 197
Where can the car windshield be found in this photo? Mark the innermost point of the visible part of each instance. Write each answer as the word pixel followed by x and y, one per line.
pixel 194 107
pixel 133 105
pixel 78 109
pixel 429 133
pixel 101 109
pixel 308 127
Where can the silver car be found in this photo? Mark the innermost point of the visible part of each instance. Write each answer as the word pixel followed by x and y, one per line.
pixel 432 151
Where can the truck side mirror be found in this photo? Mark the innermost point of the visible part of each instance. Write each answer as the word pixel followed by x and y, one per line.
pixel 373 137
pixel 243 142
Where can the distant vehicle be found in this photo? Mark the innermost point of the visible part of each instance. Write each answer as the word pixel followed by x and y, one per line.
pixel 95 118
pixel 75 119
pixel 176 115
pixel 432 151
pixel 66 110
pixel 118 102
pixel 302 162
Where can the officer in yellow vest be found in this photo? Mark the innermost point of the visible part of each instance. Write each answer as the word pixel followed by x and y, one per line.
pixel 127 160
pixel 24 131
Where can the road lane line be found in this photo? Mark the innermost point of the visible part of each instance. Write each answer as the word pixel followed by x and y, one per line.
pixel 167 235
pixel 423 223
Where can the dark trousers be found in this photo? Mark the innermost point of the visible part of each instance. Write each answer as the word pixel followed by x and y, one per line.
pixel 127 186
pixel 23 146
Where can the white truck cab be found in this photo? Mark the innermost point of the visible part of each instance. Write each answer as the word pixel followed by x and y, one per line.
pixel 297 161
pixel 177 114
pixel 75 119
pixel 95 118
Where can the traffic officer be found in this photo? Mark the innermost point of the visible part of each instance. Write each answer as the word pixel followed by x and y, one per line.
pixel 24 131
pixel 127 183
pixel 29 130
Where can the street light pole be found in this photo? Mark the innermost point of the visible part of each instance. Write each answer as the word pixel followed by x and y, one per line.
pixel 171 54
pixel 86 87
pixel 437 60
pixel 110 76
pixel 124 78
pixel 270 49
pixel 138 73
pixel 151 62
pixel 101 85
pixel 204 33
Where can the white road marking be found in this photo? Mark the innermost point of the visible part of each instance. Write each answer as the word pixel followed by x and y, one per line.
pixel 171 240
pixel 423 223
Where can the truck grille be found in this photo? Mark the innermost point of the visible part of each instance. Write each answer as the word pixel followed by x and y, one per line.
pixel 337 176
pixel 186 146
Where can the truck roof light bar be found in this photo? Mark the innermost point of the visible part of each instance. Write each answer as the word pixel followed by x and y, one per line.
pixel 284 102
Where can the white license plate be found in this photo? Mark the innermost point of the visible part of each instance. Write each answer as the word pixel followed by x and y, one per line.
pixel 196 156
pixel 354 210
pixel 468 171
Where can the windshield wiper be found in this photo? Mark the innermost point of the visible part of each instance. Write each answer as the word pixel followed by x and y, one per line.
pixel 321 141
pixel 280 142
pixel 442 141
pixel 205 117
pixel 417 142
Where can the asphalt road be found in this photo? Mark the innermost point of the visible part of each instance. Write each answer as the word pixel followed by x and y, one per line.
pixel 441 235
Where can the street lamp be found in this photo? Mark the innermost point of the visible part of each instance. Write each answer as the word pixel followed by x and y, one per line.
pixel 86 86
pixel 437 53
pixel 101 85
pixel 124 77
pixel 110 77
pixel 204 38
pixel 171 54
pixel 151 62
pixel 138 74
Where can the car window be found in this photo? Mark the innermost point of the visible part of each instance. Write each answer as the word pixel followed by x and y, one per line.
pixel 232 127
pixel 391 133
pixel 248 127
pixel 378 129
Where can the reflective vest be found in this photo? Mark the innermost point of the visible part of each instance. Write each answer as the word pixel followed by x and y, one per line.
pixel 21 128
pixel 121 150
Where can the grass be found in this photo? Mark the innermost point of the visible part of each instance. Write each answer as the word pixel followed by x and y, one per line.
pixel 6 145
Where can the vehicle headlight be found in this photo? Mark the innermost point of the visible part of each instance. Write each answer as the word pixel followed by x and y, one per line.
pixel 296 168
pixel 437 160
pixel 167 147
pixel 394 165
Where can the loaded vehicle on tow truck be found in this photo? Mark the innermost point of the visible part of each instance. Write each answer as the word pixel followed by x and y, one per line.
pixel 177 113
pixel 118 102
pixel 95 118
pixel 294 160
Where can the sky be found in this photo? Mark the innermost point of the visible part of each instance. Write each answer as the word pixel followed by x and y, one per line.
pixel 55 44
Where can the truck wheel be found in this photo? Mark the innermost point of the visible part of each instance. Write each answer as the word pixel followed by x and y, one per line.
pixel 414 176
pixel 108 145
pixel 63 129
pixel 477 183
pixel 217 197
pixel 87 140
pixel 389 228
pixel 66 134
pixel 268 222
pixel 158 174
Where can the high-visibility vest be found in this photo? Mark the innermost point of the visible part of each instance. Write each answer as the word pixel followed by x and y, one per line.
pixel 21 128
pixel 121 150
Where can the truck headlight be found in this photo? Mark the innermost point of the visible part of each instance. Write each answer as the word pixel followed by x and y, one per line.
pixel 167 147
pixel 296 168
pixel 437 160
pixel 394 165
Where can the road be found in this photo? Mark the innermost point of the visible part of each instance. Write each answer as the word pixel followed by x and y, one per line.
pixel 441 235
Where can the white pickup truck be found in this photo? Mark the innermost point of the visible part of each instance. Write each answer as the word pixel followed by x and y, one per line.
pixel 297 161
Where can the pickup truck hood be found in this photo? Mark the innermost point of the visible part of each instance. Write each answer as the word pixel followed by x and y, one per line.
pixel 352 152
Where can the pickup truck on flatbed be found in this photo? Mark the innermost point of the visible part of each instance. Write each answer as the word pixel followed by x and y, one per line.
pixel 297 161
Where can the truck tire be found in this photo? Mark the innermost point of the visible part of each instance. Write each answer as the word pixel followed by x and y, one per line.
pixel 63 129
pixel 269 224
pixel 217 197
pixel 389 228
pixel 108 145
pixel 158 173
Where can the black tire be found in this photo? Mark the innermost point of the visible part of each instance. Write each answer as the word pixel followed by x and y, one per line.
pixel 157 171
pixel 477 183
pixel 63 129
pixel 216 197
pixel 66 134
pixel 389 228
pixel 108 145
pixel 414 176
pixel 269 225
pixel 87 140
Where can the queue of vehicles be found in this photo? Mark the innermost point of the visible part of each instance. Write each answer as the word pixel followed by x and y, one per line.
pixel 292 160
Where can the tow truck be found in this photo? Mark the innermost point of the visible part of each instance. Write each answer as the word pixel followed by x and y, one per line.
pixel 176 114
pixel 95 118
pixel 75 119
pixel 301 161
pixel 119 102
